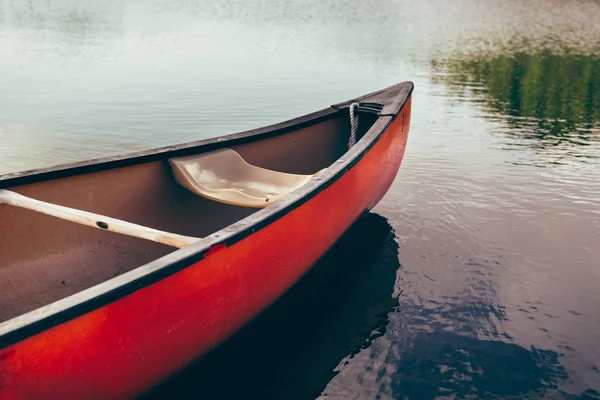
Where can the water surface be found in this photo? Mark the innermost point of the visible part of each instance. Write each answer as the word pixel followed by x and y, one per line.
pixel 476 276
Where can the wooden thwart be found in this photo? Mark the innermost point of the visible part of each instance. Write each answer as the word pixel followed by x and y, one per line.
pixel 95 220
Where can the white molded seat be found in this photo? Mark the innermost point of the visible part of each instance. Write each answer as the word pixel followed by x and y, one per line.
pixel 224 176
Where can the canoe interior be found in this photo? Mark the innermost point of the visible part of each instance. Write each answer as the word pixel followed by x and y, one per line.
pixel 44 259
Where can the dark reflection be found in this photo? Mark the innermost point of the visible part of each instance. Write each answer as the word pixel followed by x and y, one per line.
pixel 443 363
pixel 547 99
pixel 290 351
pixel 451 348
pixel 457 346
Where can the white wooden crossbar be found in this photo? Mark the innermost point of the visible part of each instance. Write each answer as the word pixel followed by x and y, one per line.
pixel 95 220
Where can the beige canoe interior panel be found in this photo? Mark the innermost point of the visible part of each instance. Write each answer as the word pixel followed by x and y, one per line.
pixel 224 176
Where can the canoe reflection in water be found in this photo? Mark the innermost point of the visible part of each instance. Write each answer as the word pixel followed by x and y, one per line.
pixel 324 339
pixel 291 350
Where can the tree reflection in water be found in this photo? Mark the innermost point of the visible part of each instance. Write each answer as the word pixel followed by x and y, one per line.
pixel 549 102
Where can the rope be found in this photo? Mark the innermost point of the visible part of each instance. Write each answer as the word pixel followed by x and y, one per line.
pixel 353 126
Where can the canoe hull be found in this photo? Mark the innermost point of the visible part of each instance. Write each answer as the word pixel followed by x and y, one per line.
pixel 129 345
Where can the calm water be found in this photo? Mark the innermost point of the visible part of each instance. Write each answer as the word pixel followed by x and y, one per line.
pixel 477 276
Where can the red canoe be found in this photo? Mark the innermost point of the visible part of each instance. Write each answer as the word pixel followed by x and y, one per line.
pixel 191 242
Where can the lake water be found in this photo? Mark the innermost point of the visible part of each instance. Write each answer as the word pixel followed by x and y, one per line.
pixel 477 276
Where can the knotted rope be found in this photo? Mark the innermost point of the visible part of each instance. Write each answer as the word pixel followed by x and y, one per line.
pixel 353 126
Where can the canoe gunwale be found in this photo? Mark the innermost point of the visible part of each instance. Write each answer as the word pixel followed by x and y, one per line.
pixel 160 153
pixel 45 317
